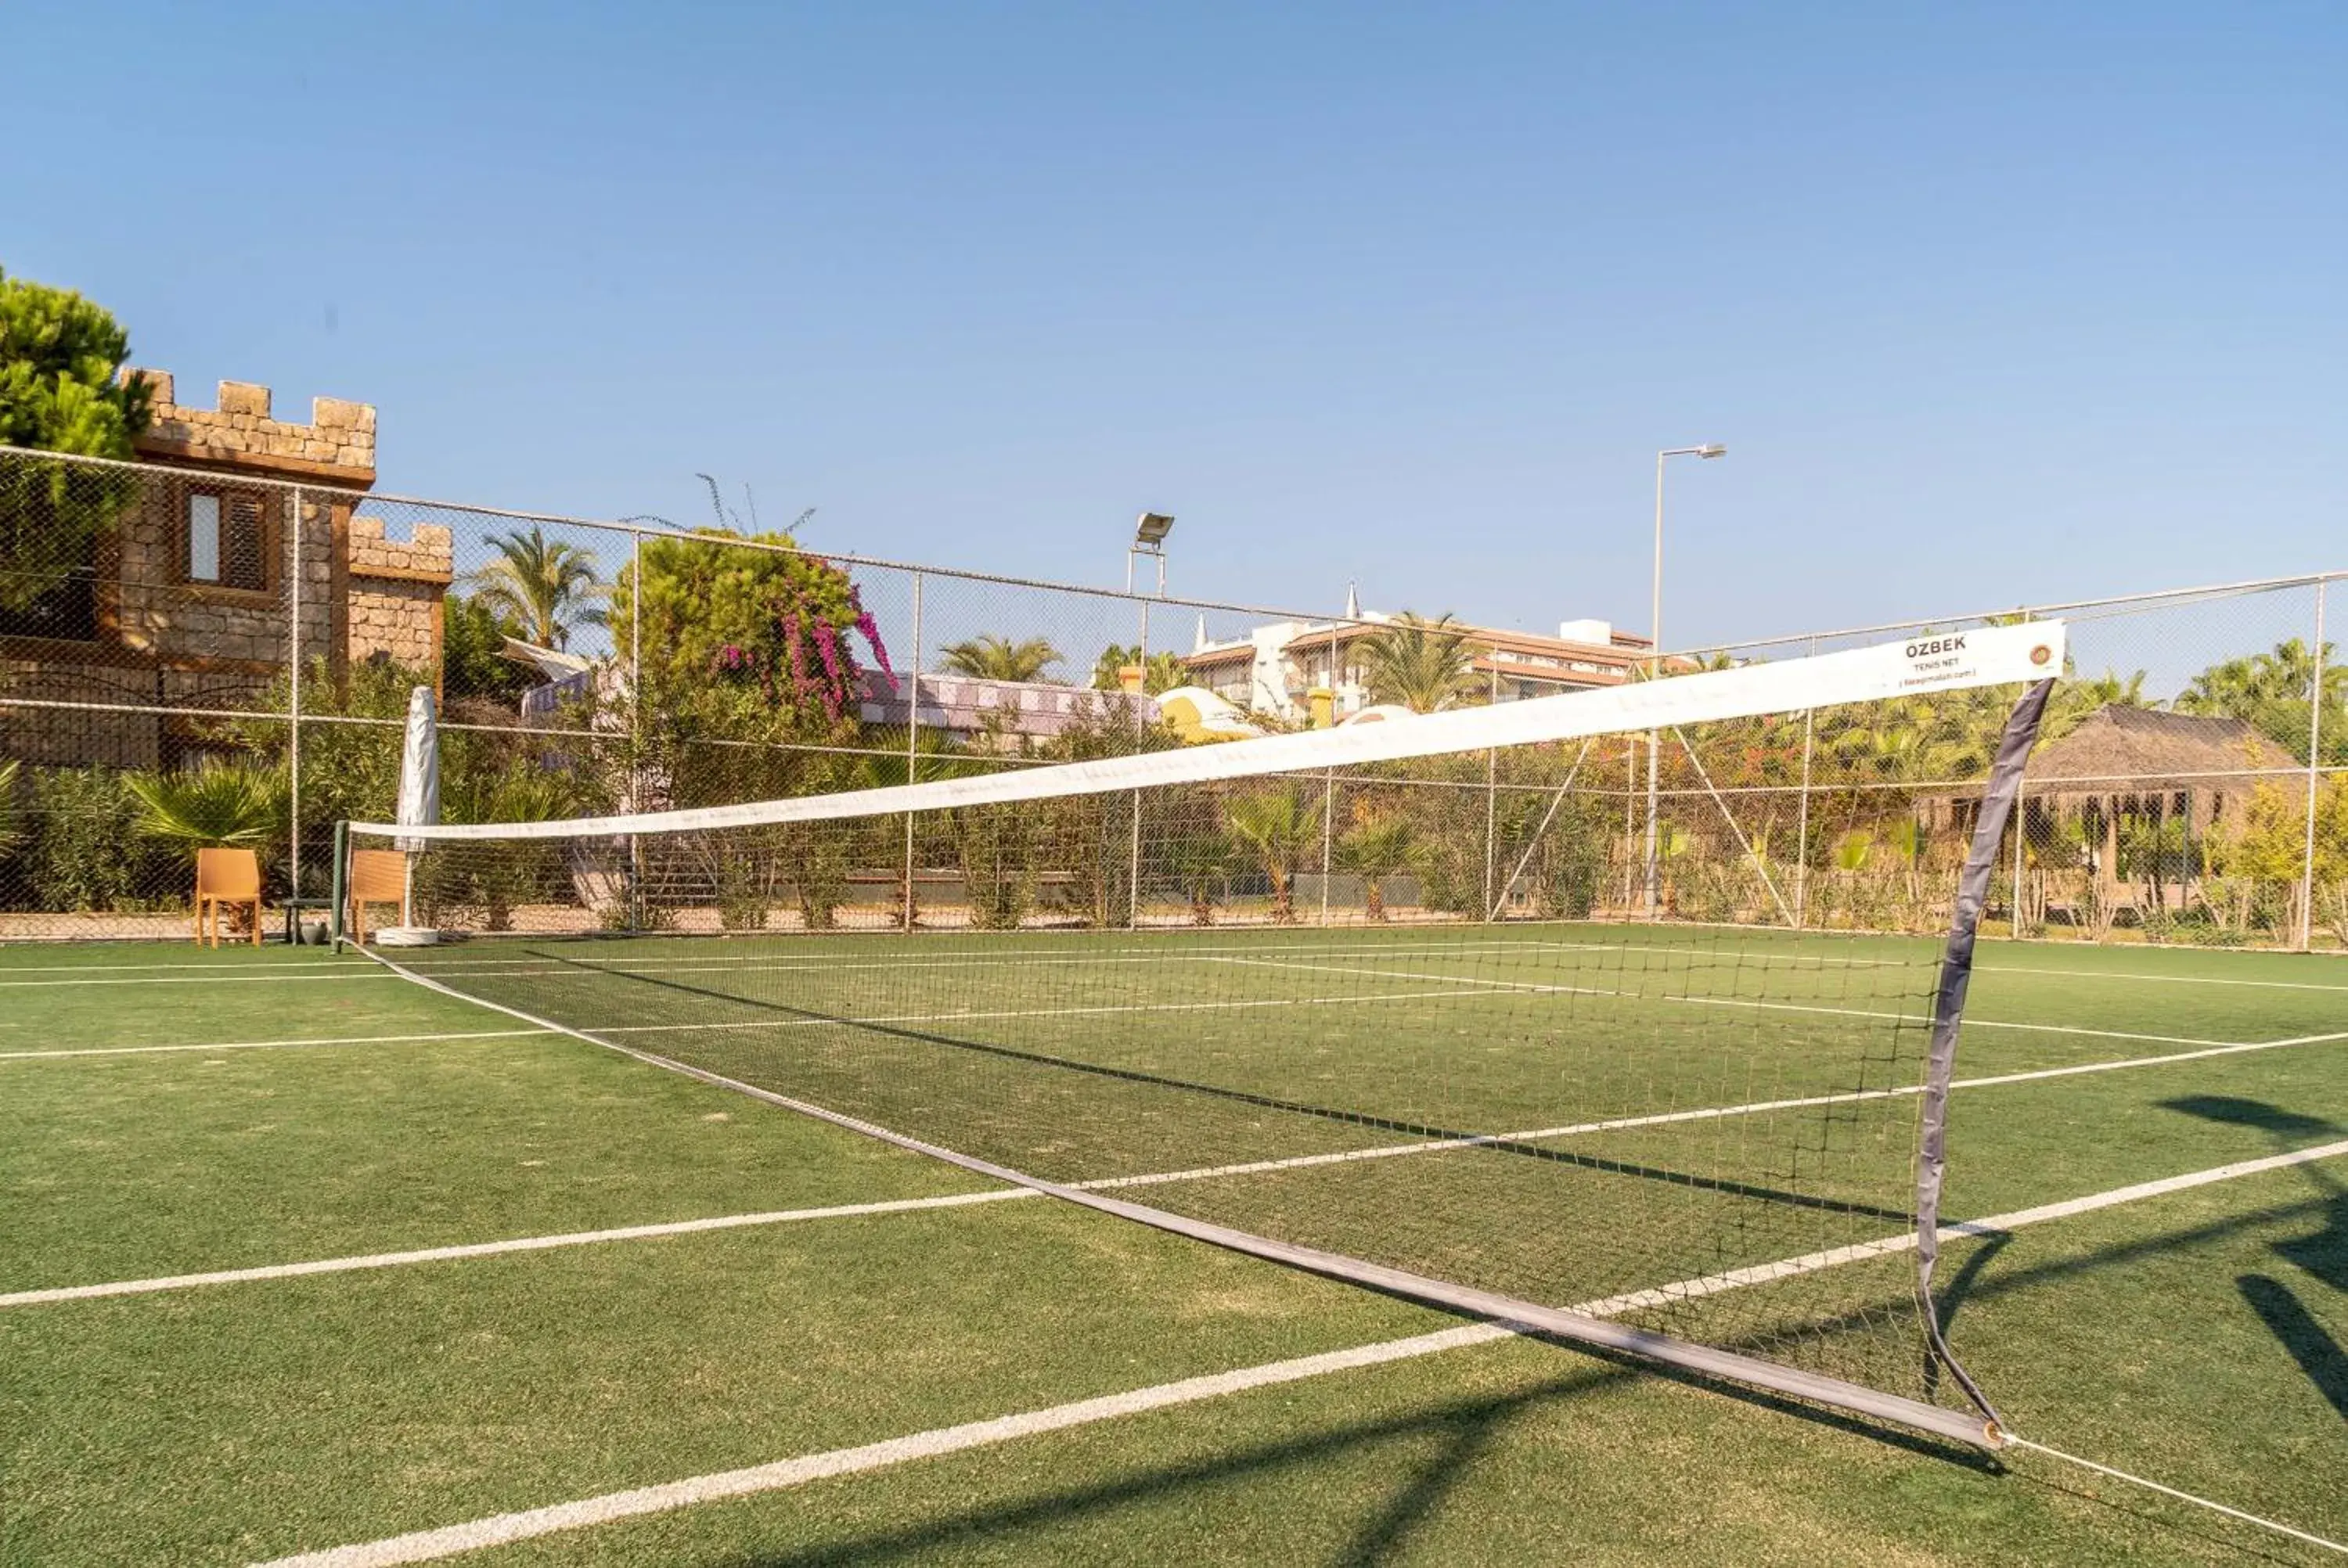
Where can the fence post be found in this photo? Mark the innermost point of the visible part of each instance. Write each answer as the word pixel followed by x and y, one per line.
pixel 912 745
pixel 1491 808
pixel 1328 785
pixel 294 707
pixel 636 770
pixel 1802 814
pixel 1133 860
pixel 2021 832
pixel 2315 779
pixel 1629 823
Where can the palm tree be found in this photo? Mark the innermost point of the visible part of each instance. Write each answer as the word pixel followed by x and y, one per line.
pixel 1200 861
pixel 2076 700
pixel 549 586
pixel 1278 826
pixel 8 805
pixel 218 805
pixel 1375 849
pixel 2271 692
pixel 1160 671
pixel 992 657
pixel 1424 665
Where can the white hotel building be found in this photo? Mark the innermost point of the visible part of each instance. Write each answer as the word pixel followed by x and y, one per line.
pixel 1276 668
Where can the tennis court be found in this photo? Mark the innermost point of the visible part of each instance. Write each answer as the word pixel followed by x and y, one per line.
pixel 303 1256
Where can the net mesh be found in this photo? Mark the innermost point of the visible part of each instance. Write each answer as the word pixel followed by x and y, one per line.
pixel 1442 1012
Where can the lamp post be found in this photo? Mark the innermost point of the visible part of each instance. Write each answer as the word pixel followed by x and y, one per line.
pixel 1709 450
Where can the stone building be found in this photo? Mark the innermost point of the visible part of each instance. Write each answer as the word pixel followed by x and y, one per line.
pixel 188 603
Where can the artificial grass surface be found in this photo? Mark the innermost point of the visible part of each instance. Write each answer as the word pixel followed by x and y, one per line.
pixel 221 1424
pixel 127 1166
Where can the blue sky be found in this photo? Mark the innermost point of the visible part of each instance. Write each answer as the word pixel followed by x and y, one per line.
pixel 1993 304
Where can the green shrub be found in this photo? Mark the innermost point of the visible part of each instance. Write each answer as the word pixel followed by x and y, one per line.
pixel 80 848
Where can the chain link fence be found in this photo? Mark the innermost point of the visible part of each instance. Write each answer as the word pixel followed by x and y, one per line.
pixel 190 657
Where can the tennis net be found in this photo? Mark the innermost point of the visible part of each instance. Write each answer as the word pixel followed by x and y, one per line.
pixel 1587 1012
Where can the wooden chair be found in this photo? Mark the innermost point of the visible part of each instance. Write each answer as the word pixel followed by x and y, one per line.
pixel 229 876
pixel 377 876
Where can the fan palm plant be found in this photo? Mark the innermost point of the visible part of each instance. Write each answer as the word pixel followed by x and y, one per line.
pixel 1277 826
pixel 1424 665
pixel 215 805
pixel 8 805
pixel 992 657
pixel 549 586
pixel 1200 862
pixel 218 805
pixel 1375 849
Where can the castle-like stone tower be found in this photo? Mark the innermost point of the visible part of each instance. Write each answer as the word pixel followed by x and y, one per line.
pixel 194 605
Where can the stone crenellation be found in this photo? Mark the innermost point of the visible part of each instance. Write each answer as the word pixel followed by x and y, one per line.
pixel 337 444
pixel 395 591
pixel 430 553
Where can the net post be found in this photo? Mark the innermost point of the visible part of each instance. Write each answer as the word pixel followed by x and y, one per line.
pixel 1948 1014
pixel 2315 779
pixel 335 886
pixel 908 914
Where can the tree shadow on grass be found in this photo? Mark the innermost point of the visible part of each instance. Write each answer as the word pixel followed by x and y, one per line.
pixel 2308 1342
pixel 1463 1429
pixel 2324 1254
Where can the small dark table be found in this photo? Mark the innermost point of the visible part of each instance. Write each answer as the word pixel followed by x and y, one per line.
pixel 293 907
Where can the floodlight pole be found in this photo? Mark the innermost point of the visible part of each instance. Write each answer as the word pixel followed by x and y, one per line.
pixel 1155 551
pixel 1149 539
pixel 1710 449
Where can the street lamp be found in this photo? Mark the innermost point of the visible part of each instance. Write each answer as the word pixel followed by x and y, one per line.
pixel 1150 533
pixel 1709 450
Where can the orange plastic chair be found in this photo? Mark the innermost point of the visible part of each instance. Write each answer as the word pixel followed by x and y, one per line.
pixel 229 876
pixel 377 877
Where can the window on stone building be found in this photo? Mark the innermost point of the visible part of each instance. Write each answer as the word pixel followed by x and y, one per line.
pixel 227 540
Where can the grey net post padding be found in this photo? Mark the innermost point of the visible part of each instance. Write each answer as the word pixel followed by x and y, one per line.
pixel 1949 1012
pixel 1380 1002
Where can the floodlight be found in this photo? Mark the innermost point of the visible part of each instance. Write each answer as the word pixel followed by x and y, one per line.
pixel 1153 528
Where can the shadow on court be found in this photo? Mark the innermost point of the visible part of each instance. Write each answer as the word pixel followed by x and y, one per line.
pixel 1434 1452
pixel 2322 1254
pixel 1483 1140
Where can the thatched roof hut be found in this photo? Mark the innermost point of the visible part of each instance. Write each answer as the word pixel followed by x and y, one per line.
pixel 2122 756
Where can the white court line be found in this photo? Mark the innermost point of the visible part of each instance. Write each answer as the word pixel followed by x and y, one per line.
pixel 1171 953
pixel 1994 1225
pixel 2161 980
pixel 1482 988
pixel 1702 1114
pixel 1104 1184
pixel 449 1541
pixel 974 1017
pixel 354 973
pixel 497 1249
pixel 1986 963
pixel 427 1545
pixel 270 1044
pixel 1535 988
pixel 1175 947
